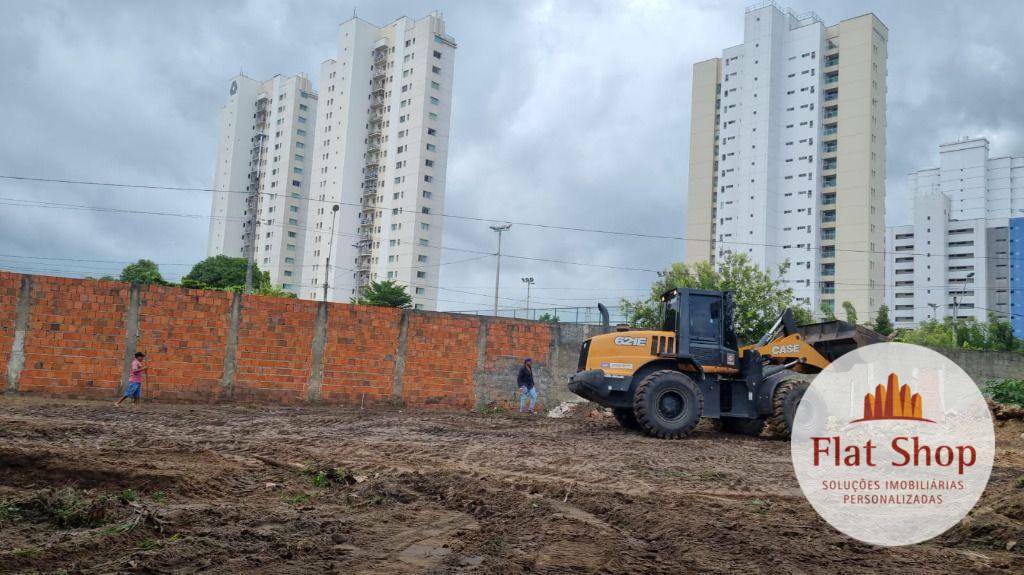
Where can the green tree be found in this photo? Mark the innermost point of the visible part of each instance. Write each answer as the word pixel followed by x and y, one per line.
pixel 548 318
pixel 142 272
pixel 385 294
pixel 995 334
pixel 224 272
pixel 828 310
pixel 882 323
pixel 758 296
pixel 851 312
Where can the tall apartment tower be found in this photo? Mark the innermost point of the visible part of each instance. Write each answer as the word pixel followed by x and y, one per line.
pixel 787 155
pixel 381 153
pixel 963 256
pixel 265 145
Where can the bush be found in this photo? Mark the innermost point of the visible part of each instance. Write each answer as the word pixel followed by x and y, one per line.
pixel 1009 390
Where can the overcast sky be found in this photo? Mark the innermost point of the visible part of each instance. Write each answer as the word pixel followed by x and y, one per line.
pixel 570 113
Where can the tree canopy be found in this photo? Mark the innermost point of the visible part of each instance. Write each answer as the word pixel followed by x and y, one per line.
pixel 385 294
pixel 548 317
pixel 142 272
pixel 882 323
pixel 995 334
pixel 224 272
pixel 758 296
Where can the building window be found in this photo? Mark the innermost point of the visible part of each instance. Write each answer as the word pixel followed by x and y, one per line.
pixel 421 274
pixel 421 258
pixel 428 178
pixel 300 132
pixel 303 107
pixel 420 291
pixel 431 147
pixel 429 163
pixel 435 85
pixel 289 260
pixel 437 54
pixel 427 194
pixel 424 226
pixel 302 119
pixel 434 101
pixel 431 132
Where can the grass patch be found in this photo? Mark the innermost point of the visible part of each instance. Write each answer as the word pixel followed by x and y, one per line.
pixel 712 475
pixel 9 512
pixel 297 498
pixel 1007 391
pixel 760 506
pixel 26 551
pixel 146 545
pixel 159 496
pixel 69 507
pixel 129 495
pixel 1020 482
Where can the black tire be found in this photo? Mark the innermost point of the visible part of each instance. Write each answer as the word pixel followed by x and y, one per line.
pixel 668 404
pixel 785 401
pixel 743 426
pixel 625 417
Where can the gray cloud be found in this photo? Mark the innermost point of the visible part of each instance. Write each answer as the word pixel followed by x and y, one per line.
pixel 572 113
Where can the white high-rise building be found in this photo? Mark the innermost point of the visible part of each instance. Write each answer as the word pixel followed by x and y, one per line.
pixel 265 145
pixel 958 257
pixel 381 151
pixel 787 154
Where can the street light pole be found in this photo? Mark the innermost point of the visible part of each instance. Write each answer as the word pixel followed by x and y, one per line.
pixel 252 202
pixel 330 244
pixel 528 282
pixel 497 273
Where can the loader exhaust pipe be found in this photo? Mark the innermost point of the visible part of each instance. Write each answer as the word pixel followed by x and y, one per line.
pixel 605 322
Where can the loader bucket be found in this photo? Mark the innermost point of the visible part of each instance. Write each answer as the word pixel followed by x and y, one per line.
pixel 835 338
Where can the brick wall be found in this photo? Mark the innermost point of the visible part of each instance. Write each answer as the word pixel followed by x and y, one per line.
pixel 205 346
pixel 74 345
pixel 184 332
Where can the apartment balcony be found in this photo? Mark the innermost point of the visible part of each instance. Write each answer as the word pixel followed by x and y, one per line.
pixel 831 95
pixel 830 130
pixel 828 287
pixel 831 60
pixel 828 182
pixel 828 217
pixel 831 78
pixel 831 112
pixel 829 147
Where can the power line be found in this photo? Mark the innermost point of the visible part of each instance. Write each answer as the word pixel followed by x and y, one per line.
pixel 458 216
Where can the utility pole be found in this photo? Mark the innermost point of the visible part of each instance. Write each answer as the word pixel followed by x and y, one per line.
pixel 330 244
pixel 252 201
pixel 528 282
pixel 497 272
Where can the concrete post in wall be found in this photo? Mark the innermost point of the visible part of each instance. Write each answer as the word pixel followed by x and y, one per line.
pixel 17 360
pixel 479 377
pixel 227 382
pixel 316 374
pixel 397 386
pixel 131 335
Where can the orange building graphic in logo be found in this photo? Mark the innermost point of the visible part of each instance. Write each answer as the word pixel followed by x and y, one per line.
pixel 893 401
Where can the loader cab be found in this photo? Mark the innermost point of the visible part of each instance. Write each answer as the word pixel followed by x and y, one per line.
pixel 702 322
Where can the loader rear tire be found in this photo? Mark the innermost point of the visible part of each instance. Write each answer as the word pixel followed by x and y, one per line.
pixel 668 404
pixel 743 426
pixel 626 418
pixel 785 401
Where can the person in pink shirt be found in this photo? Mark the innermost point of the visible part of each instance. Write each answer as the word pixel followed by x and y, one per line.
pixel 134 389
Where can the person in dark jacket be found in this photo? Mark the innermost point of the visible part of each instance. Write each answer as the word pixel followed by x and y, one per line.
pixel 526 388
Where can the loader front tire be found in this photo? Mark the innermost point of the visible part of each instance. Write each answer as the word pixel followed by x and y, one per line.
pixel 785 401
pixel 668 404
pixel 626 418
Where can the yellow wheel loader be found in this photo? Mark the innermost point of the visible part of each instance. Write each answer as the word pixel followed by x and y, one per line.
pixel 663 381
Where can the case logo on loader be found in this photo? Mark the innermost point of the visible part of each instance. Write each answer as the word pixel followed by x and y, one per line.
pixel 788 348
pixel 628 340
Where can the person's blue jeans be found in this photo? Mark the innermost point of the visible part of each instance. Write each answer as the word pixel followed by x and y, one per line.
pixel 523 393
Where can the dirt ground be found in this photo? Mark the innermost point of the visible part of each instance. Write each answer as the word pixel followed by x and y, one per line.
pixel 86 488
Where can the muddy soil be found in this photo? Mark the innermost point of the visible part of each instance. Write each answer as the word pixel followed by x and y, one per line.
pixel 86 488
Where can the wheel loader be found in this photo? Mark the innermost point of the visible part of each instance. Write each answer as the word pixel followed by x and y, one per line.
pixel 662 382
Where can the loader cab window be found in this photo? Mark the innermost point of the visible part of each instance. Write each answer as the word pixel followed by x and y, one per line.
pixel 670 315
pixel 705 318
